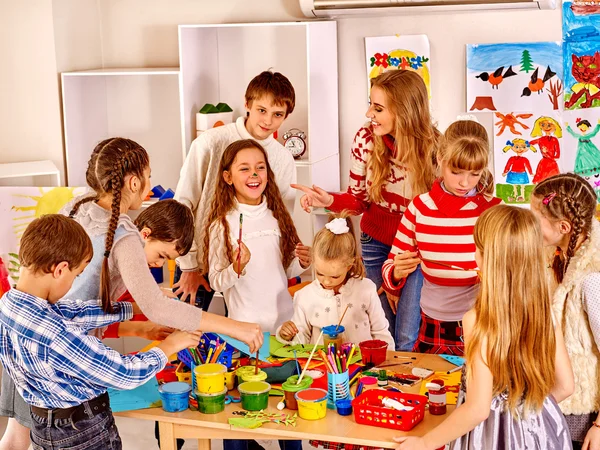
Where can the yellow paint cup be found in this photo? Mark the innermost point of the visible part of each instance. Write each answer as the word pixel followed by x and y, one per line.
pixel 210 378
pixel 312 403
pixel 230 380
pixel 241 371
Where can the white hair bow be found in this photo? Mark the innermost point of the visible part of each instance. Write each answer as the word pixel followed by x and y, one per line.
pixel 338 226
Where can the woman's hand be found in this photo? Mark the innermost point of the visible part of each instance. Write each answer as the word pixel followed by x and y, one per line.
pixel 188 285
pixel 314 197
pixel 410 443
pixel 405 264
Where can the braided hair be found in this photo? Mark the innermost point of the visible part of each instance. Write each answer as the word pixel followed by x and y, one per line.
pixel 111 161
pixel 567 197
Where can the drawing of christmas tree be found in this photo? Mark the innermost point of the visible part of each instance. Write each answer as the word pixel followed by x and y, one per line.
pixel 526 62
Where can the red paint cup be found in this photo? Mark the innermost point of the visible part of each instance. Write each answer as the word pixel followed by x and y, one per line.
pixel 374 351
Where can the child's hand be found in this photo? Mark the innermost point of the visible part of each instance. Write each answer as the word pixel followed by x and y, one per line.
pixel 410 443
pixel 153 331
pixel 302 252
pixel 288 330
pixel 188 285
pixel 178 340
pixel 313 197
pixel 239 267
pixel 405 264
pixel 249 333
pixel 393 301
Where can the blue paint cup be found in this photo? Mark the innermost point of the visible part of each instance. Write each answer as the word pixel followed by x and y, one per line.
pixel 344 407
pixel 174 396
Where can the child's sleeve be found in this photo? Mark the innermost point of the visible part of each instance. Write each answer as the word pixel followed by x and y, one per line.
pixel 89 315
pixel 295 269
pixel 379 323
pixel 86 357
pixel 404 241
pixel 221 275
pixel 300 319
pixel 189 190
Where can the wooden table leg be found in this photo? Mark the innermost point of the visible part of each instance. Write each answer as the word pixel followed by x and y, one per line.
pixel 167 436
pixel 203 444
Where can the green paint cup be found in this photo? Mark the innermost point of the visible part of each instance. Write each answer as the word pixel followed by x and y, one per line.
pixel 255 395
pixel 290 387
pixel 211 403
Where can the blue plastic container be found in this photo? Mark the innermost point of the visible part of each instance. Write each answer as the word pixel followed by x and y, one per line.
pixel 344 407
pixel 225 357
pixel 175 396
pixel 338 388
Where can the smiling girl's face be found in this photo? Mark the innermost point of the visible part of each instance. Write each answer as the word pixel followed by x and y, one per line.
pixel 248 175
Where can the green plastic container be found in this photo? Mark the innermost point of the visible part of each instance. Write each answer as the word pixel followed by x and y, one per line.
pixel 255 395
pixel 241 371
pixel 290 388
pixel 211 403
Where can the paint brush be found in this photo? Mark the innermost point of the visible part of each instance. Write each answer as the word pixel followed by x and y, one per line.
pixel 310 357
pixel 239 258
pixel 256 365
pixel 297 363
pixel 450 266
pixel 342 318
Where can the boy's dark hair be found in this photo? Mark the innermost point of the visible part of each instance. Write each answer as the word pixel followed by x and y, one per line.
pixel 52 239
pixel 169 221
pixel 274 84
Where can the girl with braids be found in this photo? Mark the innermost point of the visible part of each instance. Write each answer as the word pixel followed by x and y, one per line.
pixel 392 161
pixel 119 174
pixel 253 275
pixel 565 206
pixel 248 212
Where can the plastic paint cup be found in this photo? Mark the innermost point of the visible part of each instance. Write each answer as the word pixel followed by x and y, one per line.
pixel 211 403
pixel 241 371
pixel 344 407
pixel 249 376
pixel 210 378
pixel 374 351
pixel 230 380
pixel 175 396
pixel 333 336
pixel 255 395
pixel 312 403
pixel 290 387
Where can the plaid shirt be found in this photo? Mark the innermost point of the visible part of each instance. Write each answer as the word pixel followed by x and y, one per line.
pixel 54 363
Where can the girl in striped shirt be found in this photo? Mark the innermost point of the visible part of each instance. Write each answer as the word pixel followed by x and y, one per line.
pixel 436 232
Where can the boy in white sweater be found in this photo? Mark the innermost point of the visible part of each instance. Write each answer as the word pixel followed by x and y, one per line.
pixel 270 98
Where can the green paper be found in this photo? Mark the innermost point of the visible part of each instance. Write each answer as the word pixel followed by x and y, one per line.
pixel 287 351
pixel 244 422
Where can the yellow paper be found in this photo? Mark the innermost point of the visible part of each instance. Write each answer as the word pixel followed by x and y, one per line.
pixel 451 382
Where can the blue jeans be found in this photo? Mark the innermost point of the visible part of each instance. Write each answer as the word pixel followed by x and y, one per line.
pixel 238 444
pixel 96 433
pixel 203 297
pixel 404 325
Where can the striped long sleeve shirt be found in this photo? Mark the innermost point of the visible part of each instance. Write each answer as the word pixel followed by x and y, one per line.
pixel 54 363
pixel 439 225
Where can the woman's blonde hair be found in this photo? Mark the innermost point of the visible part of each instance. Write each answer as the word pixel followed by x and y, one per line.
pixel 537 128
pixel 465 147
pixel 513 332
pixel 329 246
pixel 414 133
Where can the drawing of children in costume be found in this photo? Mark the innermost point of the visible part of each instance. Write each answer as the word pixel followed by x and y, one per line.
pixel 587 160
pixel 517 167
pixel 547 131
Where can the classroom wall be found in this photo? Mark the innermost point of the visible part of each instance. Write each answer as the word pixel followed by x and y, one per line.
pixel 130 33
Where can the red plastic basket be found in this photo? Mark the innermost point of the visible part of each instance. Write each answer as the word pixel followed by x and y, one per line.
pixel 368 410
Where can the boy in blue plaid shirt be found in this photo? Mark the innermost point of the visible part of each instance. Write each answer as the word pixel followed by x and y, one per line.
pixel 60 370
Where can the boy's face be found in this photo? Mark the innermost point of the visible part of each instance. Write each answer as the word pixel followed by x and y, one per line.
pixel 158 252
pixel 64 277
pixel 265 117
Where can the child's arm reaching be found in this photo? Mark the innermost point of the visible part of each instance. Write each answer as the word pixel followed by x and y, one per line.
pixel 377 319
pixel 91 316
pixel 564 383
pixel 467 416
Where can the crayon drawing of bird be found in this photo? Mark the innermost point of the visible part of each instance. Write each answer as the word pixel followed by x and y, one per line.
pixel 496 77
pixel 537 84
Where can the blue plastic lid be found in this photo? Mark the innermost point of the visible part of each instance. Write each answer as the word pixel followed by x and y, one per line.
pixel 175 387
pixel 330 330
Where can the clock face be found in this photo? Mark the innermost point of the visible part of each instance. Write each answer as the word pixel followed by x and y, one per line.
pixel 296 146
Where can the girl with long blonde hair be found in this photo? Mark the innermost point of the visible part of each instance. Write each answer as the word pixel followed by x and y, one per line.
pixel 392 161
pixel 517 363
pixel 438 229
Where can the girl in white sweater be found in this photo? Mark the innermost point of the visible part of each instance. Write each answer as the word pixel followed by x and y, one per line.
pixel 340 283
pixel 248 213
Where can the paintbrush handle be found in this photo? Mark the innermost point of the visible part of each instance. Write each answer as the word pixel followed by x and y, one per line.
pixel 310 357
pixel 342 318
pixel 448 265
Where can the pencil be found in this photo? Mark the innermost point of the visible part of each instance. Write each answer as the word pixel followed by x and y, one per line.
pixel 239 258
pixel 456 369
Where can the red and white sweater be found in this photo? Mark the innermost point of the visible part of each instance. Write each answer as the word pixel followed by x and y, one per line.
pixel 380 220
pixel 439 225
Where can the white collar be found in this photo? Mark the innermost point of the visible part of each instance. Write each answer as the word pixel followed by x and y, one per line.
pixel 252 211
pixel 240 125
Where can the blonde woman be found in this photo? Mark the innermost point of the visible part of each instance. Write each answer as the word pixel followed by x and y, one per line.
pixel 514 379
pixel 392 162
pixel 547 131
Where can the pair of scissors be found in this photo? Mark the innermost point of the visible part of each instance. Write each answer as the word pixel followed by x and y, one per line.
pixel 231 399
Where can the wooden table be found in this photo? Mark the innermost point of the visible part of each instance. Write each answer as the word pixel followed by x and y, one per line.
pixel 204 427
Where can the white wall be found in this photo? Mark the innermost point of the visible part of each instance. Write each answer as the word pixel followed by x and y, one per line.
pixel 129 33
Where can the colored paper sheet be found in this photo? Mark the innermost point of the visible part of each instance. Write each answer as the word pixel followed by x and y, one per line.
pixel 263 352
pixel 144 396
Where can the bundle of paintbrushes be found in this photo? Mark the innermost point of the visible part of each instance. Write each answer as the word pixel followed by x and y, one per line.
pixel 206 354
pixel 337 361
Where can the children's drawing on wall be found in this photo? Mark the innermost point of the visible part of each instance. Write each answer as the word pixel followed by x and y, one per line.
pixel 18 207
pixel 398 52
pixel 581 20
pixel 582 139
pixel 527 150
pixel 514 77
pixel 582 74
